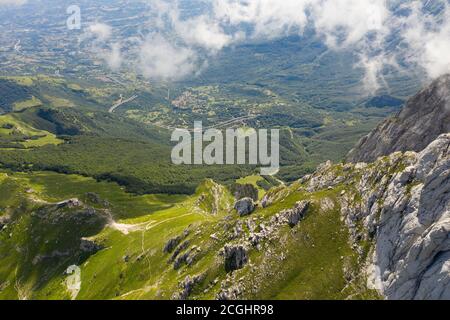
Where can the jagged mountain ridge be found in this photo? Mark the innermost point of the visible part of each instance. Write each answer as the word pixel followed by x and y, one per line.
pixel 405 198
pixel 400 205
pixel 422 120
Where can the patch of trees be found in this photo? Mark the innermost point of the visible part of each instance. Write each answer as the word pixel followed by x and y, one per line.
pixel 11 92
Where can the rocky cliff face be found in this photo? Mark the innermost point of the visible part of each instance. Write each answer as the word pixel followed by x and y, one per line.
pixel 399 207
pixel 422 120
pixel 405 198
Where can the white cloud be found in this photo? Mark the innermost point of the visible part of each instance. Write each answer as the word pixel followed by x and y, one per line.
pixel 428 40
pixel 348 22
pixel 100 31
pixel 361 26
pixel 373 66
pixel 12 2
pixel 181 46
pixel 113 57
pixel 342 23
pixel 203 32
pixel 163 60
pixel 99 37
pixel 270 18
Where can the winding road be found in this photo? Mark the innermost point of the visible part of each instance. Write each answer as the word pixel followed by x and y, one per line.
pixel 121 102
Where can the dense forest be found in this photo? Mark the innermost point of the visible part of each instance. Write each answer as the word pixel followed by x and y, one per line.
pixel 107 147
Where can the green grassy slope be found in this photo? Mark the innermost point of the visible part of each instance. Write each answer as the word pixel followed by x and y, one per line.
pixel 15 133
pixel 41 239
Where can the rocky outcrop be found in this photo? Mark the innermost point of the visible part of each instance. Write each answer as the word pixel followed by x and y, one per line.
pixel 172 244
pixel 71 211
pixel 96 199
pixel 401 205
pixel 293 216
pixel 213 198
pixel 182 253
pixel 241 191
pixel 231 293
pixel 187 258
pixel 422 120
pixel 252 232
pixel 268 239
pixel 89 246
pixel 71 203
pixel 4 220
pixel 245 206
pixel 236 257
pixel 187 286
